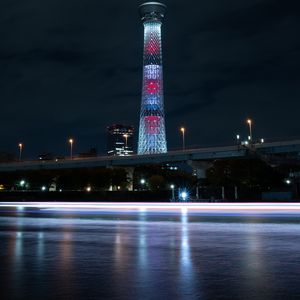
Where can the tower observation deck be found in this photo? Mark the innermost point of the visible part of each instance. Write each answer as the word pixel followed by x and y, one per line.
pixel 152 133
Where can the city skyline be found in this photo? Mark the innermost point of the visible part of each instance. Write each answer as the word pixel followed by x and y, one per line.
pixel 72 72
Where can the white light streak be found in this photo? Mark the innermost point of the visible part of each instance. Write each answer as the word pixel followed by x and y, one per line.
pixel 163 207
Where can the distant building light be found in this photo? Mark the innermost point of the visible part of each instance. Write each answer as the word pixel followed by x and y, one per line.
pixel 88 189
pixel 120 140
pixel 43 188
pixel 288 181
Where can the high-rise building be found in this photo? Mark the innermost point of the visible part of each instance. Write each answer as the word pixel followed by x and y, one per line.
pixel 120 140
pixel 152 133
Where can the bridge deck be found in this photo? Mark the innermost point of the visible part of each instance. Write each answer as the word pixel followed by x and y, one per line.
pixel 170 157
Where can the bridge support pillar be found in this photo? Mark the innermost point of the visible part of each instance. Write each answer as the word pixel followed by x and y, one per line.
pixel 129 172
pixel 199 168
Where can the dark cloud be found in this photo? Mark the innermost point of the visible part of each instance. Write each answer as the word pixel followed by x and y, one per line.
pixel 74 67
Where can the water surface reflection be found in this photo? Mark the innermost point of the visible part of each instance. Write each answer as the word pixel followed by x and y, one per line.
pixel 148 256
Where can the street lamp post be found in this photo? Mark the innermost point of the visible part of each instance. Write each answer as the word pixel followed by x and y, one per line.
pixel 126 139
pixel 143 182
pixel 238 139
pixel 249 121
pixel 182 129
pixel 172 186
pixel 71 141
pixel 22 183
pixel 20 151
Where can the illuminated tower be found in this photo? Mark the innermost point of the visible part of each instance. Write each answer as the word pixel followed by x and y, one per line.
pixel 152 134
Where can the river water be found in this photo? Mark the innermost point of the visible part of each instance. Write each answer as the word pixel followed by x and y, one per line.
pixel 49 254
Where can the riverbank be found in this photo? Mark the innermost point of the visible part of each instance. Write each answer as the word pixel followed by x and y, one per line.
pixel 92 196
pixel 109 196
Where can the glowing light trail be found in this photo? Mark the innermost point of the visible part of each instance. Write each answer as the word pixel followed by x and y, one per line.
pixel 265 208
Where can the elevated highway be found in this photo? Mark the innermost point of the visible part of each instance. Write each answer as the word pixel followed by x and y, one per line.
pixel 201 154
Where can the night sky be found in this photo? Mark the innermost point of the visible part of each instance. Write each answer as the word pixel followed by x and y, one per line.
pixel 70 68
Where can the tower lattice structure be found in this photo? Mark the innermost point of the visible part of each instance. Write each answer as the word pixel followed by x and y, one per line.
pixel 152 133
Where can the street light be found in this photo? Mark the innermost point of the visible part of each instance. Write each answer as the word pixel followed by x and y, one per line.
pixel 71 141
pixel 288 181
pixel 142 182
pixel 172 186
pixel 20 151
pixel 126 138
pixel 238 139
pixel 23 184
pixel 183 195
pixel 249 121
pixel 182 129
